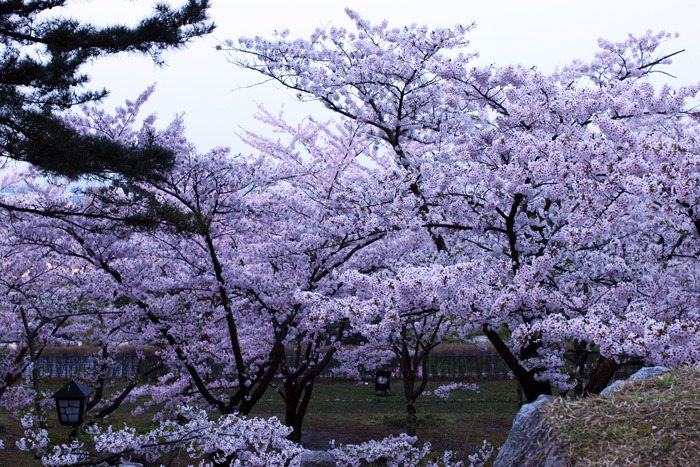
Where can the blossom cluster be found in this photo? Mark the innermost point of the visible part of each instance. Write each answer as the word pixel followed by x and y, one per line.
pixel 251 441
pixel 557 215
pixel 401 451
pixel 444 391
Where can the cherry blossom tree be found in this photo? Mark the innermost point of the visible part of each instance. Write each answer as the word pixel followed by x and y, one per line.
pixel 396 326
pixel 371 209
pixel 38 298
pixel 207 262
pixel 561 190
pixel 556 214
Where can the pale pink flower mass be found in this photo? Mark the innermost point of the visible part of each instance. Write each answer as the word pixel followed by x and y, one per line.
pixel 554 214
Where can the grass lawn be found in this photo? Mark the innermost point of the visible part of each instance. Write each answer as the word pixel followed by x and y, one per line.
pixel 350 413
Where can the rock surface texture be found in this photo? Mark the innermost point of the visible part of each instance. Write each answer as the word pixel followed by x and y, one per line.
pixel 317 459
pixel 531 442
pixel 644 373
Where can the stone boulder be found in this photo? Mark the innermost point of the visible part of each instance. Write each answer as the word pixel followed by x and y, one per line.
pixel 317 459
pixel 644 373
pixel 530 442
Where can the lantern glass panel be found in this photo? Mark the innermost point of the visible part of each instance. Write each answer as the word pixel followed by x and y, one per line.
pixel 71 402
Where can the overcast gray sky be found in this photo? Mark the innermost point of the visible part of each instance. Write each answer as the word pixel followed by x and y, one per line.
pixel 212 93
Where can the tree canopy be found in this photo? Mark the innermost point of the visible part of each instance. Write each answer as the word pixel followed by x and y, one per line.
pixel 555 214
pixel 40 74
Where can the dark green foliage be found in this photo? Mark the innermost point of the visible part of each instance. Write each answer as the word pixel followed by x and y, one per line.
pixel 40 74
pixel 153 213
pixel 45 141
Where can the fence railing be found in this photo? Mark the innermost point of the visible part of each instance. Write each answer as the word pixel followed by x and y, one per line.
pixel 473 365
pixel 477 366
pixel 66 365
pixel 443 367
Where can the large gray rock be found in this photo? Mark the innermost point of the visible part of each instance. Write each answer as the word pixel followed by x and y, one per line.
pixel 531 440
pixel 644 373
pixel 317 459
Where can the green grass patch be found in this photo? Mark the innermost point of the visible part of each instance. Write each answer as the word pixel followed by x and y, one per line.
pixel 349 412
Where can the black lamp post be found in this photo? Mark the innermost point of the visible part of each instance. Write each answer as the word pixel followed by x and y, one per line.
pixel 382 383
pixel 71 403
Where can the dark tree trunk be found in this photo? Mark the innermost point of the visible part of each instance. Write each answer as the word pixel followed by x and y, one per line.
pixel 299 383
pixel 413 384
pixel 408 376
pixel 601 376
pixel 411 419
pixel 296 403
pixel 531 387
pixel 519 390
pixel 581 355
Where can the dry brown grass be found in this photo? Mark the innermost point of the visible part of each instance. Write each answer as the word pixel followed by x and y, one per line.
pixel 655 422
